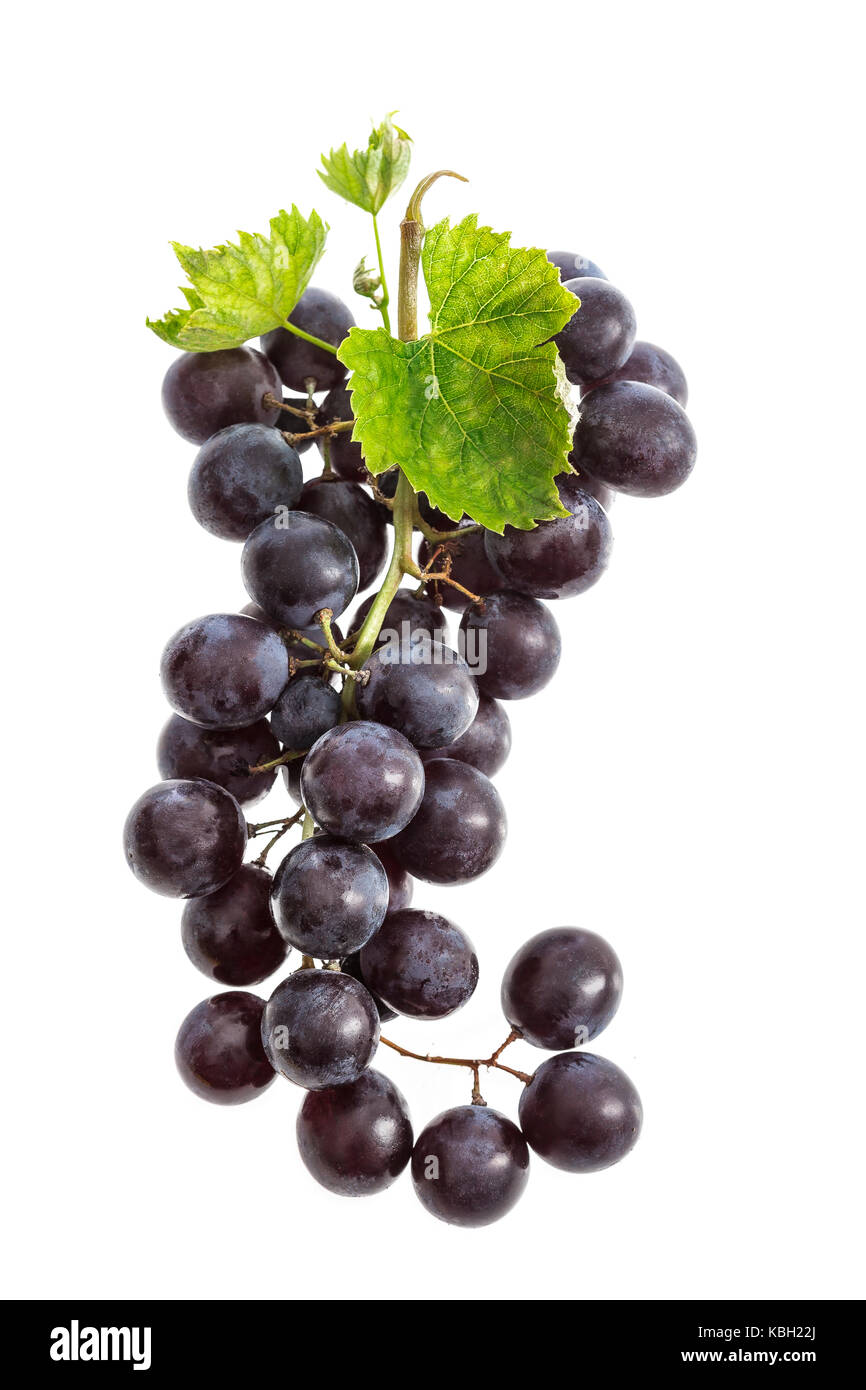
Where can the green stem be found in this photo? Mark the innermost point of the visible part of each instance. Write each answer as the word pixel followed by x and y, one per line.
pixel 308 337
pixel 401 561
pixel 309 826
pixel 382 306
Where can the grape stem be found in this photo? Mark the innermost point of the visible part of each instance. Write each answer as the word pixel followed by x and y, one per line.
pixel 287 756
pixel 308 337
pixel 261 860
pixel 385 299
pixel 323 618
pixel 336 427
pixel 474 1063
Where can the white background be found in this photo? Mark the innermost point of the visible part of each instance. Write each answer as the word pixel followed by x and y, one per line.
pixel 691 784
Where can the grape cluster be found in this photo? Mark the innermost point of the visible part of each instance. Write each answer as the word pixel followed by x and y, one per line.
pixel 387 739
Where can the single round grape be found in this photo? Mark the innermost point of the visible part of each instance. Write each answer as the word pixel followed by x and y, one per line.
pixel 329 897
pixel 185 838
pixel 562 988
pixel 422 688
pixel 352 966
pixel 558 559
pixel 293 424
pixel 231 935
pixel 635 438
pixel 295 564
pixel 203 392
pixel 355 1139
pixel 420 611
pixel 653 366
pixel 512 645
pixel 324 316
pixel 400 884
pixel 224 756
pixel 219 1051
pixel 353 510
pixel 599 336
pixel 570 266
pixel 470 566
pixel 224 671
pixel 292 778
pixel 420 964
pixel 485 744
pixel 470 1165
pixel 362 781
pixel 460 829
pixel 307 708
pixel 320 1028
pixel 343 452
pixel 580 1112
pixel 240 477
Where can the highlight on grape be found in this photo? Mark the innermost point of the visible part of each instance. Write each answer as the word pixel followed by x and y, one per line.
pixel 467 474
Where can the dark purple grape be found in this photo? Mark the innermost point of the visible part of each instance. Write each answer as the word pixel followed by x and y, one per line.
pixel 202 392
pixel 353 510
pixel 231 935
pixel 580 1112
pixel 470 566
pixel 400 884
pixel 460 829
pixel 186 750
pixel 362 781
pixel 219 1050
pixel 599 336
pixel 512 645
pixel 184 838
pixel 343 452
pixel 560 558
pixel 307 708
pixel 634 438
pixel 241 476
pixel 293 424
pixel 653 366
pixel 320 1028
pixel 485 744
pixel 352 966
pixel 439 520
pixel 224 671
pixel 420 964
pixel 470 1165
pixel 421 612
pixel 570 266
pixel 329 897
pixel 355 1139
pixel 292 778
pixel 562 988
pixel 294 565
pixel 324 316
pixel 422 688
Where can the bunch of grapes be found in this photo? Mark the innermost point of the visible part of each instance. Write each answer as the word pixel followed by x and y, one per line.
pixel 388 740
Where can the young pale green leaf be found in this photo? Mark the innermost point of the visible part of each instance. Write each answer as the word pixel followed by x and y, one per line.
pixel 368 177
pixel 473 412
pixel 239 292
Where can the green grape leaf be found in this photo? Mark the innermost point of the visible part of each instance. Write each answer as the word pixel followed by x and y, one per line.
pixel 239 292
pixel 473 412
pixel 368 177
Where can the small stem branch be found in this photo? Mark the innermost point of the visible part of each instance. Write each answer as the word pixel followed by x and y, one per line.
pixel 385 300
pixel 324 617
pixel 285 821
pixel 337 427
pixel 261 860
pixel 474 1063
pixel 271 401
pixel 291 634
pixel 287 756
pixel 308 337
pixel 442 577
